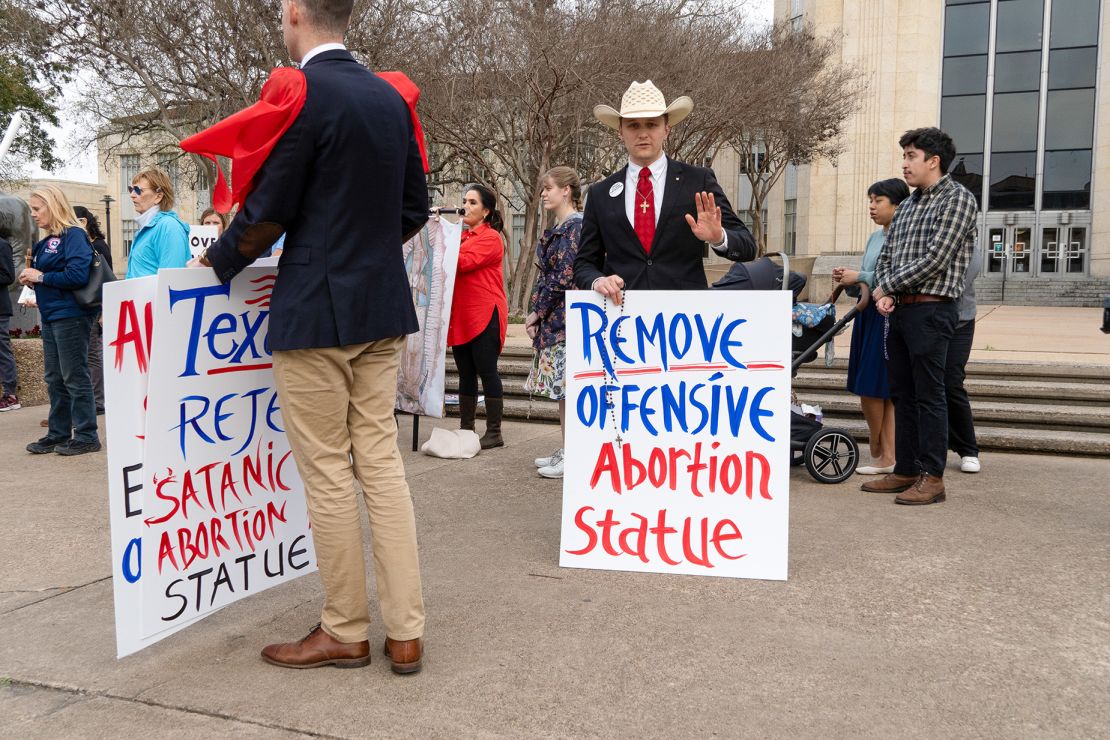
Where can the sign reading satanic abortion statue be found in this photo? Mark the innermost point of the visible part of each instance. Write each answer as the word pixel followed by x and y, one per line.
pixel 678 433
pixel 206 503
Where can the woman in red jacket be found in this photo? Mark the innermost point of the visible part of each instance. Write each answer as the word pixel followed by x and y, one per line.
pixel 480 312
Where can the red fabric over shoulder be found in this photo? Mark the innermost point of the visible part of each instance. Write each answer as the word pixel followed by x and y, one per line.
pixel 248 137
pixel 411 93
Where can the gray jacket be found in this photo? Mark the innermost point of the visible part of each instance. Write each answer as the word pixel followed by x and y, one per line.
pixel 965 304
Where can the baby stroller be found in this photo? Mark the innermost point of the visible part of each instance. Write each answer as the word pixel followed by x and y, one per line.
pixel 829 454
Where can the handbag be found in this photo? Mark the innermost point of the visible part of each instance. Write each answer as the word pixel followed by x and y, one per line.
pixel 91 294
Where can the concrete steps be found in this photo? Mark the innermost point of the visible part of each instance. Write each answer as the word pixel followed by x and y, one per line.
pixel 1018 407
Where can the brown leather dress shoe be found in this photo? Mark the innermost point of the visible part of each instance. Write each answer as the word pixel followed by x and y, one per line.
pixel 928 489
pixel 889 483
pixel 317 649
pixel 405 655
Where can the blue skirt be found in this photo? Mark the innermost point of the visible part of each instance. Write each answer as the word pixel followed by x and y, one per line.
pixel 866 364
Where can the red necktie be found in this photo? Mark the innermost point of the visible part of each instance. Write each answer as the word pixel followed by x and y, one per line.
pixel 643 218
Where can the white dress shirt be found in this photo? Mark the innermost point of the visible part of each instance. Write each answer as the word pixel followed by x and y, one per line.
pixel 320 49
pixel 658 170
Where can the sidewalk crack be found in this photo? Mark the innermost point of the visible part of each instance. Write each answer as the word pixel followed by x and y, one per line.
pixel 60 590
pixel 76 692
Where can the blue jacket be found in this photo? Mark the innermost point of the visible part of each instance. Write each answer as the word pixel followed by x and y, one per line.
pixel 65 262
pixel 342 276
pixel 164 242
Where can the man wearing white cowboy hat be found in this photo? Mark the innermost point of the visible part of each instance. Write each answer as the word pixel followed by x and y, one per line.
pixel 644 226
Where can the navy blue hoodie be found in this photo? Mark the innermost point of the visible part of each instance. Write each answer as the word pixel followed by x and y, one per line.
pixel 65 262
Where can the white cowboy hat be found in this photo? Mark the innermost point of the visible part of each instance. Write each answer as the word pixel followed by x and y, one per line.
pixel 644 100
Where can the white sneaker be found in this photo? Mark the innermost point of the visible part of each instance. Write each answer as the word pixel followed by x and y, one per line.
pixel 555 470
pixel 874 470
pixel 545 462
pixel 969 464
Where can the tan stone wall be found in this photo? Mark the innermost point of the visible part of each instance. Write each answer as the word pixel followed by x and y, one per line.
pixel 1100 184
pixel 896 44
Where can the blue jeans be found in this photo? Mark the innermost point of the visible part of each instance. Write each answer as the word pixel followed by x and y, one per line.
pixel 65 346
pixel 8 379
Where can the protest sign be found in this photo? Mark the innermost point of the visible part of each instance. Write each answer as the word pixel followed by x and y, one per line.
pixel 430 261
pixel 224 513
pixel 678 433
pixel 202 237
pixel 128 314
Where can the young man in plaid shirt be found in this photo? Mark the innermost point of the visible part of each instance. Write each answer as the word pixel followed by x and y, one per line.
pixel 919 276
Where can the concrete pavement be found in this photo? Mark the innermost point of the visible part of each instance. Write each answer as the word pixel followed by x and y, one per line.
pixel 981 617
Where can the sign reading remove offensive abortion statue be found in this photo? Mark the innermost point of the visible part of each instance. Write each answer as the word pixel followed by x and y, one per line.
pixel 224 513
pixel 678 433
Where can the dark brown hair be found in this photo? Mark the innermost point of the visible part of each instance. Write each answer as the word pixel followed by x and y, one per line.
pixel 489 202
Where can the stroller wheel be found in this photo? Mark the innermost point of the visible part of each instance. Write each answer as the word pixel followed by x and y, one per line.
pixel 831 456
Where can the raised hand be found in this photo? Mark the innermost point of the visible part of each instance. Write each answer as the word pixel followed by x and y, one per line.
pixel 707 227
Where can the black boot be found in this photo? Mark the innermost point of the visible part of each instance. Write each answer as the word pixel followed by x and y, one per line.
pixel 492 437
pixel 467 406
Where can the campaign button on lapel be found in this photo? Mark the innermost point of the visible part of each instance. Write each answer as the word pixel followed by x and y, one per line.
pixel 616 189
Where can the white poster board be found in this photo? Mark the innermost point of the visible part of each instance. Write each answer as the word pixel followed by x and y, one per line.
pixel 431 258
pixel 128 312
pixel 226 515
pixel 678 433
pixel 202 237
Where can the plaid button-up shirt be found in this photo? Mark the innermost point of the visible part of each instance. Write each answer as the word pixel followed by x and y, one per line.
pixel 930 241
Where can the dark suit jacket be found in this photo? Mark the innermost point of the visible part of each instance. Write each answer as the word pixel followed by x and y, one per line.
pixel 7 277
pixel 610 245
pixel 346 183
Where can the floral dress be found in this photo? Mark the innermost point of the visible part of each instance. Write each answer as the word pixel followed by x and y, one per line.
pixel 555 255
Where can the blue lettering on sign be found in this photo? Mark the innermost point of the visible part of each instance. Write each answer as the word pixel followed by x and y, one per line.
pixel 228 336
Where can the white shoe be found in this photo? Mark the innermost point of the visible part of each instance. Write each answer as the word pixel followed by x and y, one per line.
pixel 555 470
pixel 545 462
pixel 874 470
pixel 969 464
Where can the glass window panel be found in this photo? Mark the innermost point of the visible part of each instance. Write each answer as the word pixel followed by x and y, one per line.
pixel 968 171
pixel 1050 250
pixel 965 75
pixel 1023 249
pixel 1072 67
pixel 964 119
pixel 966 29
pixel 1017 72
pixel 1020 23
pixel 1076 254
pixel 1013 178
pixel 1074 23
pixel 1014 126
pixel 1067 180
pixel 996 250
pixel 1070 123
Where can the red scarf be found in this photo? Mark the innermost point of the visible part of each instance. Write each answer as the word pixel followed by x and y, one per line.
pixel 248 137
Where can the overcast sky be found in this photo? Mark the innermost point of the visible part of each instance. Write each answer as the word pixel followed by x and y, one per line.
pixel 81 165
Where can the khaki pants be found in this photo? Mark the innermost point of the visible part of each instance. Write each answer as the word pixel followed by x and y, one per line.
pixel 337 404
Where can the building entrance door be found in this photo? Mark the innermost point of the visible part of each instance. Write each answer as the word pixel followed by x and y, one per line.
pixel 1010 251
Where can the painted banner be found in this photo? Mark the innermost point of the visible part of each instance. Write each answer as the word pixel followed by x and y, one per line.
pixel 430 260
pixel 678 433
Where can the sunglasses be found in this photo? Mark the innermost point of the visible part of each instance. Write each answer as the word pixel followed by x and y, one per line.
pixel 139 191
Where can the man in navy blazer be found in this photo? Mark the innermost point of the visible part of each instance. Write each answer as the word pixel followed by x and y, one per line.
pixel 646 226
pixel 346 184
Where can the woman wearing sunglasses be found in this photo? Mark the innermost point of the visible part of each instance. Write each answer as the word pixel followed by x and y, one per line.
pixel 163 238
